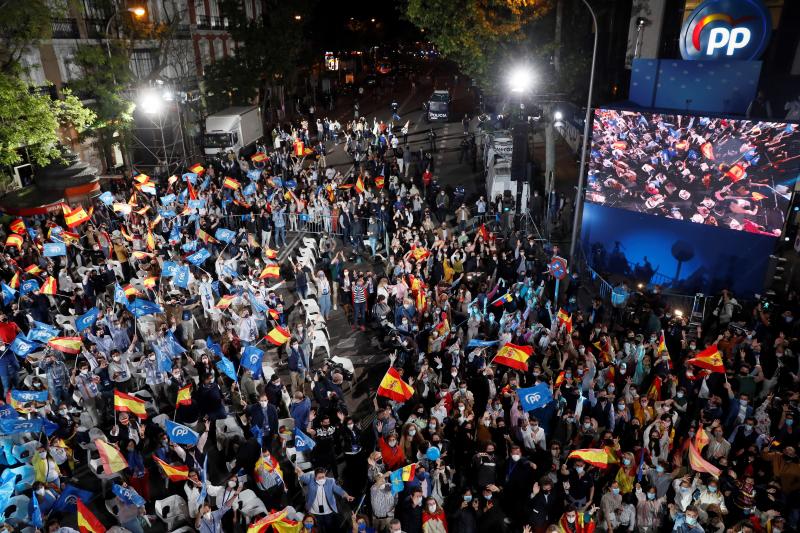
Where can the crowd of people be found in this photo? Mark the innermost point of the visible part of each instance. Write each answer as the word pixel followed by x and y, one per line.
pixel 166 324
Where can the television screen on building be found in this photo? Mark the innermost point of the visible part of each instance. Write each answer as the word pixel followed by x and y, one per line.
pixel 734 174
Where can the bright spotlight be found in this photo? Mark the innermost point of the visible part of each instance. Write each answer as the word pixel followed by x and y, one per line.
pixel 558 115
pixel 678 313
pixel 520 80
pixel 138 11
pixel 151 102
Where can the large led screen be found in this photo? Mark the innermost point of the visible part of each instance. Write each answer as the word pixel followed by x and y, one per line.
pixel 734 174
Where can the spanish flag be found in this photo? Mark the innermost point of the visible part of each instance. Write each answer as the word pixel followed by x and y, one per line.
pixel 379 182
pixel 33 270
pixel 514 356
pixel 710 359
pixel 359 185
pixel 143 211
pixel 70 237
pixel 14 283
pixel 565 319
pixel 270 253
pixel 138 254
pixel 299 148
pixel 259 157
pixel 130 404
pixel 155 221
pixel 443 327
pixel 151 241
pixel 132 200
pixel 17 226
pixel 230 183
pixel 654 392
pixel 125 234
pixel 141 178
pixel 699 464
pixel 270 271
pixel 49 286
pixel 111 458
pixel 205 237
pixel 173 472
pixel 76 217
pixel 419 253
pixel 184 396
pixel 261 525
pixel 130 290
pixel 278 336
pixel 757 196
pixel 701 438
pixel 662 349
pixel 14 240
pixel 70 345
pixel 393 387
pixel 484 233
pixel 264 464
pixel 421 301
pixel 226 301
pixel 87 522
pixel 197 168
pixel 150 282
pixel 287 525
pixel 735 173
pixel 559 379
pixel 594 456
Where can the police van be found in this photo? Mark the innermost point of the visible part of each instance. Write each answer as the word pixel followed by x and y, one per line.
pixel 438 106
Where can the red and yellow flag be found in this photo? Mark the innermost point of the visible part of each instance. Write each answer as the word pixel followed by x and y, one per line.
pixel 17 226
pixel 129 404
pixel 111 458
pixel 270 253
pixel 138 254
pixel 409 471
pixel 701 438
pixel 150 282
pixel 379 181
pixel 299 148
pixel 359 185
pixel 173 472
pixel 87 522
pixel 197 168
pixel 226 301
pixel 230 183
pixel 278 336
pixel 565 319
pixel 14 283
pixel 205 237
pixel 141 178
pixel 419 253
pixel 710 359
pixel 49 286
pixel 559 379
pixel 484 233
pixel 184 396
pixel 514 356
pixel 261 525
pixel 259 157
pixel 14 240
pixel 393 387
pixel 33 270
pixel 151 241
pixel 76 217
pixel 70 345
pixel 594 456
pixel 661 350
pixel 270 271
pixel 699 464
pixel 654 392
pixel 130 290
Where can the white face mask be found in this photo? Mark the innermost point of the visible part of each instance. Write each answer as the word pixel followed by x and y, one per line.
pixel 207 516
pixel 412 432
pixel 321 482
pixel 231 483
pixel 571 519
pixel 516 457
pixel 264 403
pixel 432 508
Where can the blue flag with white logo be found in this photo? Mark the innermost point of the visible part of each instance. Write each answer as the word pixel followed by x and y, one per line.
pixel 254 174
pixel 168 199
pixel 534 397
pixel 140 308
pixel 54 249
pixel 15 426
pixel 199 257
pixel 173 346
pixel 68 499
pixel 107 198
pixel 168 269
pixel 215 348
pixel 226 367
pixel 24 396
pixel 174 235
pixel 252 358
pixel 29 285
pixel 180 434
pixel 22 346
pixel 128 495
pixel 197 204
pixel 6 411
pixel 303 442
pixel 190 246
pixel 225 235
pixel 191 176
pixel 87 319
pixel 475 343
pixel 181 277
pixel 119 295
pixel 8 293
pixel 41 335
pixel 249 190
pixel 6 491
pixel 36 513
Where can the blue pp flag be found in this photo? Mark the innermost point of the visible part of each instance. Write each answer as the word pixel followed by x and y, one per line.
pixel 204 489
pixel 191 176
pixel 168 269
pixel 197 204
pixel 396 478
pixel 15 426
pixel 48 427
pixel 24 396
pixel 190 246
pixel 68 499
pixel 226 367
pixel 87 319
pixel 181 277
pixel 8 293
pixel 302 442
pixel 22 346
pixel 258 306
pixel 534 397
pixel 119 295
pixel 174 235
pixel 47 327
pixel 225 235
pixel 290 184
pixel 107 198
pixel 6 491
pixel 29 285
pixel 476 343
pixel 180 434
pixel 41 335
pixel 168 199
pixel 128 495
pixel 140 308
pixel 254 174
pixel 277 182
pixel 36 513
pixel 249 190
pixel 252 358
pixel 199 257
pixel 215 348
pixel 166 213
pixel 54 249
pixel 6 411
pixel 173 346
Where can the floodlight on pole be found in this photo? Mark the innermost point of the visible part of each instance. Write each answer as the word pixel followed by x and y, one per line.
pixel 558 116
pixel 151 102
pixel 520 80
pixel 137 11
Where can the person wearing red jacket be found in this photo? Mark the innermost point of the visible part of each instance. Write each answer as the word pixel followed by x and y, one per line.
pixel 391 452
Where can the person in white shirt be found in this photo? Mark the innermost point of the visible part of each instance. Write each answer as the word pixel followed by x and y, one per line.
pixel 192 488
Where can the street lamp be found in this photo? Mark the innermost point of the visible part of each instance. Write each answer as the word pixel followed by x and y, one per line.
pixel 558 116
pixel 137 12
pixel 298 17
pixel 151 102
pixel 586 131
pixel 520 80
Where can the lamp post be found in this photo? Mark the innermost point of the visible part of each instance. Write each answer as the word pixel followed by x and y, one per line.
pixel 520 82
pixel 586 132
pixel 138 12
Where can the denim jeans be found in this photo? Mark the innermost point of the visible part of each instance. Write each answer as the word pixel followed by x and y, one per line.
pixel 359 313
pixel 280 236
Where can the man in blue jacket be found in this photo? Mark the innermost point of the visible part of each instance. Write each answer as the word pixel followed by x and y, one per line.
pixel 264 416
pixel 320 499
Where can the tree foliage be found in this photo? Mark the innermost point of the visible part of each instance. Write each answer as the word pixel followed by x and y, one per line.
pixel 24 23
pixel 103 80
pixel 33 120
pixel 478 35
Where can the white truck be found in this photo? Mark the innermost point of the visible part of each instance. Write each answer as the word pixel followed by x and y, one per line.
pixel 497 149
pixel 235 129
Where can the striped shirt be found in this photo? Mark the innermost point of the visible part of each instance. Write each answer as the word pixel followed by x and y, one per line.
pixel 359 294
pixel 382 500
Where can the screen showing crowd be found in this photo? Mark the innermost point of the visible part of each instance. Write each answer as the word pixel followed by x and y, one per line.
pixel 735 174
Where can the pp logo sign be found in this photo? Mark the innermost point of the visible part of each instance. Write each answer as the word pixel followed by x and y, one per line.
pixel 726 29
pixel 180 432
pixel 533 397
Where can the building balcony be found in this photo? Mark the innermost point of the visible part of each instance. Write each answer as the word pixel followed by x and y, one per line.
pixel 205 22
pixel 65 28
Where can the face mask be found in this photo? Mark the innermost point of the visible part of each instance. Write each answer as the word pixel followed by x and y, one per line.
pixel 626 462
pixel 515 457
pixel 463 390
pixel 691 520
pixel 350 426
pixel 461 407
pixel 611 389
pixel 84 372
pixel 412 432
pixel 659 469
pixel 712 489
pixel 680 394
pixel 571 519
pixel 63 412
pixel 362 526
pixel 621 406
pixel 264 404
pixel 615 490
pixel 432 508
pixel 308 525
pixel 789 421
pixel 487 497
pixel 651 495
pixel 686 490
pixel 207 516
pixel 152 357
pixel 743 402
pixel 321 482
pixel 42 454
pixel 468 498
pixel 392 443
pixel 587 425
pixel 431 425
pixel 40 491
pixel 748 427
pixel 116 358
pixel 579 469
